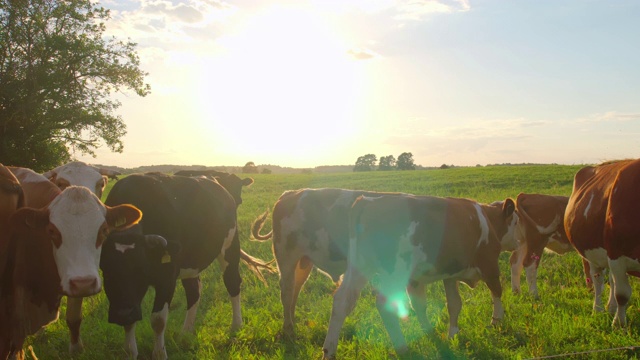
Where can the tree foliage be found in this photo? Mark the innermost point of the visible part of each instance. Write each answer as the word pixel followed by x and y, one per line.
pixel 405 161
pixel 250 168
pixel 387 163
pixel 57 73
pixel 366 163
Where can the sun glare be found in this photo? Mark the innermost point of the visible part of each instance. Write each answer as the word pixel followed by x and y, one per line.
pixel 285 85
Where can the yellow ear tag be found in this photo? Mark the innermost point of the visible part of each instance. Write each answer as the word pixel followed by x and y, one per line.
pixel 166 258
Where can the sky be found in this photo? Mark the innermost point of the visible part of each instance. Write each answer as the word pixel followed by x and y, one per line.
pixel 322 82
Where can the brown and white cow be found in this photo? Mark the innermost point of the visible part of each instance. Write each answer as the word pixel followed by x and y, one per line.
pixel 408 241
pixel 51 250
pixel 540 227
pixel 95 179
pixel 81 174
pixel 601 221
pixel 310 227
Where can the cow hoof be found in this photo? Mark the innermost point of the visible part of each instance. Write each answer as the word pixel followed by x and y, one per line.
pixel 326 356
pixel 76 348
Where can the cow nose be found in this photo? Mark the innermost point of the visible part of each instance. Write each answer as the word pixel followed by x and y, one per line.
pixel 83 286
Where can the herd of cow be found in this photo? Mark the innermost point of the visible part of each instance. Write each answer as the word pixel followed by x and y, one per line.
pixel 153 229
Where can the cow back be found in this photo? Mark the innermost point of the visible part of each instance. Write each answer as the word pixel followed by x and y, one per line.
pixel 587 206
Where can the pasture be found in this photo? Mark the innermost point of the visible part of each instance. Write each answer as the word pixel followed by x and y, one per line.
pixel 560 322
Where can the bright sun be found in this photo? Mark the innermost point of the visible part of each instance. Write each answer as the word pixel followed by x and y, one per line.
pixel 284 86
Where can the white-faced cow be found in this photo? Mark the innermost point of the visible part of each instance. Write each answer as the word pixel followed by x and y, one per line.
pixel 81 174
pixel 95 179
pixel 188 223
pixel 52 249
pixel 540 226
pixel 601 221
pixel 406 242
pixel 310 227
pixel 231 182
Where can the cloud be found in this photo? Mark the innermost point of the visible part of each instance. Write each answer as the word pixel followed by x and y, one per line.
pixel 418 9
pixel 362 54
pixel 611 116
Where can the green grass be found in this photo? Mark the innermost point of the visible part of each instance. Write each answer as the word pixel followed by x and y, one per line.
pixel 560 322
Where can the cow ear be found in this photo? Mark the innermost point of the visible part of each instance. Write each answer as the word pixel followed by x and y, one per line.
pixel 508 207
pixel 247 181
pixel 123 216
pixel 31 218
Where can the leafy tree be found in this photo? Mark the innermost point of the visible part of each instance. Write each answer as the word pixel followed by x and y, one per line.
pixel 265 171
pixel 365 163
pixel 405 161
pixel 250 168
pixel 57 72
pixel 387 163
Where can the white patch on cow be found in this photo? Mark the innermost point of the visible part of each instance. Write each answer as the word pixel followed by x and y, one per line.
pixel 236 309
pixel 228 240
pixel 597 257
pixel 550 228
pixel 29 176
pixel 188 273
pixel 484 225
pixel 586 210
pixel 159 324
pixel 399 276
pixel 345 199
pixel 81 174
pixel 78 214
pixel 509 239
pixel 190 320
pixel 124 247
pixel 130 340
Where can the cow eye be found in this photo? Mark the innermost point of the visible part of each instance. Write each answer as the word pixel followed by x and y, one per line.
pixel 54 235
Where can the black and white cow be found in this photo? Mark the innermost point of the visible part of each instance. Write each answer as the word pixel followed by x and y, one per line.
pixel 187 223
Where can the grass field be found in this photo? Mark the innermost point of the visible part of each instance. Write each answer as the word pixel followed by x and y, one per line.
pixel 560 322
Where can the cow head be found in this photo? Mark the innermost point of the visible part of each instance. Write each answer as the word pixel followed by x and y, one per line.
pixel 233 184
pixel 130 263
pixel 504 221
pixel 74 226
pixel 81 174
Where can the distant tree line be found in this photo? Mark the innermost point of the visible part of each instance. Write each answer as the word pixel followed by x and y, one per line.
pixel 368 162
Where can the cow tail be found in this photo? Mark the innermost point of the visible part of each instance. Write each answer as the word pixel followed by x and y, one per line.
pixel 257 266
pixel 257 226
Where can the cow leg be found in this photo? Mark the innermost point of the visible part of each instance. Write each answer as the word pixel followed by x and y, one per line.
pixel 74 319
pixel 491 275
pixel 390 320
pixel 621 290
pixel 587 273
pixel 418 297
pixel 454 305
pixel 302 271
pixel 192 288
pixel 516 259
pixel 130 340
pixel 596 274
pixel 612 304
pixel 532 278
pixel 159 324
pixel 344 301
pixel 229 263
pixel 290 277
